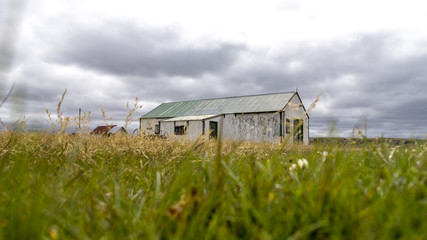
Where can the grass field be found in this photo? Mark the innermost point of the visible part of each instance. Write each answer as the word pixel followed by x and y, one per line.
pixel 57 186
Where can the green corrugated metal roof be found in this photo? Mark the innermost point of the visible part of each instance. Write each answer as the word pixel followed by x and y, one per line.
pixel 244 104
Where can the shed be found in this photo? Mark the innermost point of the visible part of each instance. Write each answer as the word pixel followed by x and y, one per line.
pixel 264 117
pixel 107 130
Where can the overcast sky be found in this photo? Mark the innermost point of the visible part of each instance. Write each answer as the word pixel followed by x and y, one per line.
pixel 367 57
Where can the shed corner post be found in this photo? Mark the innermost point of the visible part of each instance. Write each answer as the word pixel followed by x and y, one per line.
pixel 203 127
pixel 140 126
pixel 281 125
pixel 187 126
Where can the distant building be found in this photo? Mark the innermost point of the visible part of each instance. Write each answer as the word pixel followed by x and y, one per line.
pixel 107 130
pixel 266 117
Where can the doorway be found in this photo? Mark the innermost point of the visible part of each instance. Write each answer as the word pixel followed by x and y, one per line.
pixel 298 130
pixel 213 128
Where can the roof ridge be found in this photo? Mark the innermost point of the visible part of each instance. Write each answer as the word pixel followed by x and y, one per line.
pixel 253 95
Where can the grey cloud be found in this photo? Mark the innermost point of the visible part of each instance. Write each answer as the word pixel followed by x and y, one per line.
pixel 157 66
pixel 125 49
pixel 384 89
pixel 384 86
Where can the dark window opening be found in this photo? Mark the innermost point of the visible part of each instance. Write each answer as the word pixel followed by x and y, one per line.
pixel 288 126
pixel 157 129
pixel 179 130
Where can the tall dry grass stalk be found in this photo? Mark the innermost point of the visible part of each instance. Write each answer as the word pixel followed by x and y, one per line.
pixel 7 95
pixel 64 124
pixel 313 104
pixel 360 128
pixel 131 112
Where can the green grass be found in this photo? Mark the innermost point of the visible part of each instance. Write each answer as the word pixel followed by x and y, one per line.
pixel 55 186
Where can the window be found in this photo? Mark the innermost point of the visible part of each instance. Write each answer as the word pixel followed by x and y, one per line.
pixel 288 126
pixel 157 129
pixel 179 130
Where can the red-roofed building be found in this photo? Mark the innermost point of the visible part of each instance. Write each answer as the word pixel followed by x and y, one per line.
pixel 107 130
